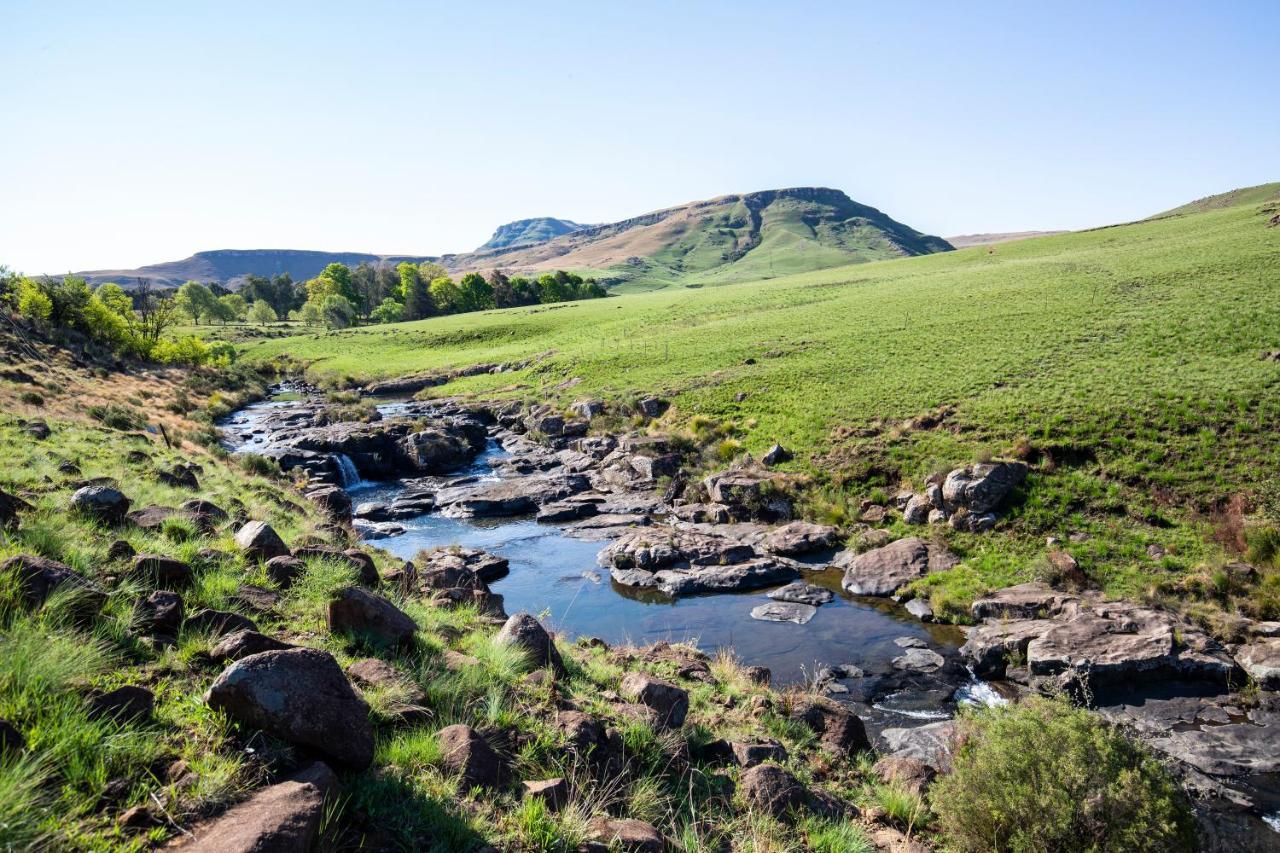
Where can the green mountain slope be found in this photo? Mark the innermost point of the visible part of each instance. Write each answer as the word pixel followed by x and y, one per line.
pixel 732 238
pixel 528 232
pixel 1245 195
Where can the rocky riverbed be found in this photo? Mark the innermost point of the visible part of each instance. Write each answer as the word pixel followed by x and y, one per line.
pixel 605 536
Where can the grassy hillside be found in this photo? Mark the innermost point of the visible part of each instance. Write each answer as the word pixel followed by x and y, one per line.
pixel 732 238
pixel 1245 195
pixel 1124 361
pixel 526 232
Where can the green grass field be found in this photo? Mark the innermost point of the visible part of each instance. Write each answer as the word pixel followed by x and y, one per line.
pixel 1129 356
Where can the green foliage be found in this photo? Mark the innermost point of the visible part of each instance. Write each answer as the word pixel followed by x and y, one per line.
pixel 196 301
pixel 476 293
pixel 338 311
pixel 262 313
pixel 1043 775
pixel 390 311
pixel 446 296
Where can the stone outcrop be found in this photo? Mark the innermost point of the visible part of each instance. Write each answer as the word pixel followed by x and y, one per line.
pixel 300 696
pixel 358 611
pixel 967 498
pixel 469 756
pixel 669 702
pixel 526 632
pixel 1261 660
pixel 771 789
pixel 259 540
pixel 39 577
pixel 104 504
pixel 281 818
pixel 881 571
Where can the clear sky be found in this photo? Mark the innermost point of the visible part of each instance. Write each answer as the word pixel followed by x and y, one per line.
pixel 132 133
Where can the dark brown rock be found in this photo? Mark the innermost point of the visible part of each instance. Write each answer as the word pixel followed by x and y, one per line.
pixel 751 754
pixel 909 773
pixel 758 674
pixel 839 730
pixel 10 506
pixel 669 702
pixel 124 703
pixel 553 792
pixel 38 577
pixel 358 611
pixel 120 551
pixel 240 644
pixel 300 696
pixel 165 572
pixel 219 622
pixel 525 631
pixel 771 789
pixel 631 836
pixel 285 569
pixel 256 598
pixel 11 740
pixel 259 540
pixel 282 818
pixel 160 614
pixel 470 757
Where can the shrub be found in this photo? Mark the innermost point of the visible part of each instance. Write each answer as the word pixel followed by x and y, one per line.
pixel 118 417
pixel 1264 545
pixel 1042 775
pixel 32 398
pixel 252 463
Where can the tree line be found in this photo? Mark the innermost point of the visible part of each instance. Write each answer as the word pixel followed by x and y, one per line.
pixel 376 293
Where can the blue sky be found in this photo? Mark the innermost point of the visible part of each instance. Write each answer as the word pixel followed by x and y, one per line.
pixel 135 133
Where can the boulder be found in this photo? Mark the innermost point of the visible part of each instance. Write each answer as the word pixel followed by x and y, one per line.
pixel 240 644
pixel 669 702
pixel 920 608
pixel 652 407
pixel 917 510
pixel 218 623
pixel 259 599
pixel 775 455
pixel 932 744
pixel 908 773
pixel 800 537
pixel 701 513
pixel 752 753
pixel 470 757
pixel 260 541
pixel 626 834
pixel 588 740
pixel 159 614
pixel 839 730
pixel 771 789
pixel 587 409
pixel 1261 660
pixel 434 451
pixel 130 702
pixel 991 647
pixel 784 611
pixel 104 504
pixel 883 570
pixel 120 550
pixel 11 740
pixel 1026 601
pixel 553 792
pixel 755 574
pixel 358 611
pixel 281 818
pixel 981 488
pixel 748 494
pixel 211 512
pixel 162 571
pixel 180 476
pixel 919 660
pixel 284 570
pixel 334 501
pixel 526 632
pixel 299 696
pixel 38 577
pixel 10 506
pixel 802 593
pixel 517 496
pixel 353 557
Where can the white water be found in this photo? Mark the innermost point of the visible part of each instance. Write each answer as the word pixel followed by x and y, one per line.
pixel 978 692
pixel 350 476
pixel 1272 820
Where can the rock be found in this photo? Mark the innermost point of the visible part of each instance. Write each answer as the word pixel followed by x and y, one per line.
pixel 784 611
pixel 908 773
pixel 124 703
pixel 135 818
pixel 919 660
pixel 1026 601
pixel 587 409
pixel 1261 660
pixel 748 494
pixel 11 740
pixel 1067 569
pixel 626 834
pixel 802 593
pixel 240 644
pixel 360 612
pixel 770 789
pixel 211 512
pixel 839 730
pixel 103 504
pixel 120 550
pixel 259 541
pixel 561 511
pixel 751 754
pixel 162 571
pixel 702 513
pixel 159 614
pixel 526 632
pixel 375 673
pixel 932 744
pixel 653 467
pixel 775 455
pixel 652 407
pixel 588 740
pixel 917 510
pixel 470 757
pixel 38 577
pixel 300 696
pixel 758 674
pixel 10 506
pixel 284 570
pixel 517 496
pixel 334 501
pixel 353 557
pixel 256 598
pixel 991 647
pixel 800 537
pixel 669 702
pixel 180 476
pixel 39 430
pixel 920 608
pixel 982 487
pixel 281 818
pixel 763 572
pixel 218 623
pixel 553 792
pixel 883 570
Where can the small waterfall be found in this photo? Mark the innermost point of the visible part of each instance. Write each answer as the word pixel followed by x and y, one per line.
pixel 978 692
pixel 347 468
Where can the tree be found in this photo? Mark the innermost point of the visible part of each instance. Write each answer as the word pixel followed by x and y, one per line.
pixel 526 291
pixel 262 313
pixel 311 313
pixel 233 305
pixel 340 275
pixel 33 302
pixel 156 313
pixel 113 296
pixel 417 296
pixel 366 284
pixel 389 311
pixel 338 312
pixel 477 294
pixel 286 296
pixel 551 289
pixel 446 296
pixel 429 272
pixel 196 300
pixel 591 289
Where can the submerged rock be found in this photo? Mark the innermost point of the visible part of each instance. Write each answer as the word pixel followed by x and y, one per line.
pixel 784 611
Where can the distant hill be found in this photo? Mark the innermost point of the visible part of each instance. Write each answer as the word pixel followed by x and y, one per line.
pixel 528 232
pixel 963 241
pixel 755 235
pixel 231 266
pixel 1244 195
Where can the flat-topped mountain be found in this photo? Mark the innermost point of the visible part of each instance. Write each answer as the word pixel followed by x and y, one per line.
pixel 230 266
pixel 528 232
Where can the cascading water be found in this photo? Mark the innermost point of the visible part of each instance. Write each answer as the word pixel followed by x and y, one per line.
pixel 347 468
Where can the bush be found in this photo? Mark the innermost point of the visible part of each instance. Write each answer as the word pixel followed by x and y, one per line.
pixel 118 417
pixel 1042 775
